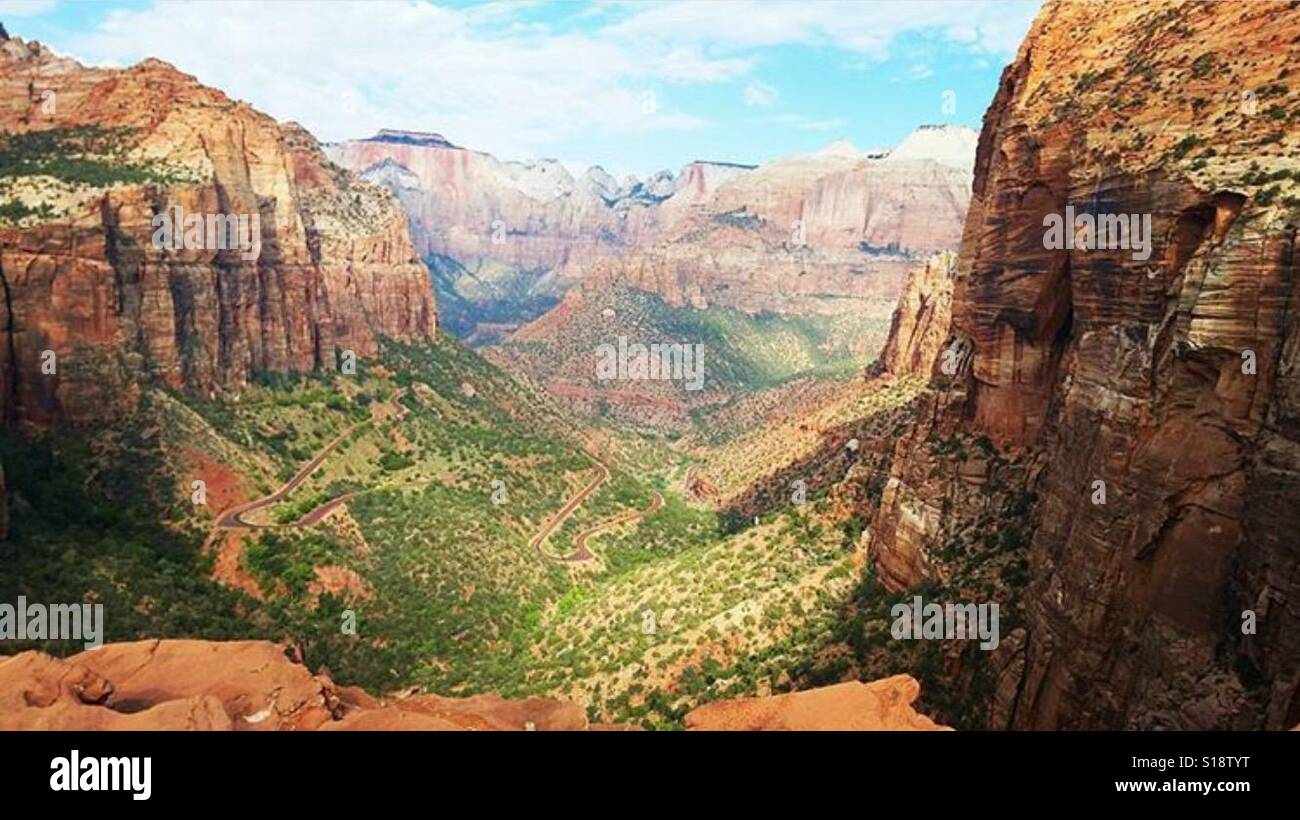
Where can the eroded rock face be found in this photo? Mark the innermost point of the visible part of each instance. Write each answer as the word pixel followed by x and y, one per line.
pixel 335 269
pixel 716 263
pixel 883 705
pixel 911 200
pixel 810 233
pixel 923 318
pixel 471 206
pixel 1103 366
pixel 507 239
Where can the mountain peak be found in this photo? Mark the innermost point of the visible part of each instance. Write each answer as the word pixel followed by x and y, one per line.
pixel 943 143
pixel 425 138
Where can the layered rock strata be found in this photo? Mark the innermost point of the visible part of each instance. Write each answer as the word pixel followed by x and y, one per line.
pixel 1152 398
pixel 92 305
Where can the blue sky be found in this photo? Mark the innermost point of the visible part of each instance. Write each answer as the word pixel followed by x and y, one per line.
pixel 634 87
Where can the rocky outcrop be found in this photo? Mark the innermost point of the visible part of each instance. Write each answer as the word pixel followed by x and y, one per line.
pixel 532 216
pixel 255 686
pixel 951 145
pixel 914 207
pixel 237 685
pixel 912 200
pixel 1151 401
pixel 809 233
pixel 909 201
pixel 93 306
pixel 721 263
pixel 922 320
pixel 883 705
pixel 508 239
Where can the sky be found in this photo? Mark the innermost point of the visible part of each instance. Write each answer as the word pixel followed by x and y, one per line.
pixel 632 86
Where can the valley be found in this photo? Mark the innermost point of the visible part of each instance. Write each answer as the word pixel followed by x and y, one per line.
pixel 541 595
pixel 383 455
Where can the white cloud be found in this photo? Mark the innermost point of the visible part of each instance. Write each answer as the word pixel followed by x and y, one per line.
pixel 24 8
pixel 347 69
pixel 506 77
pixel 759 94
pixel 994 26
pixel 689 65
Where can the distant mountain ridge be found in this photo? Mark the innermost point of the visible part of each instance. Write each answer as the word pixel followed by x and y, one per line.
pixel 510 238
pixel 402 137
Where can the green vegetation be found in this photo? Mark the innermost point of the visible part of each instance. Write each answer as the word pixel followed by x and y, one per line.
pixel 742 353
pixel 489 292
pixel 93 526
pixel 86 155
pixel 1203 65
pixel 725 614
pixel 15 211
pixel 739 219
pixel 1186 144
pixel 679 605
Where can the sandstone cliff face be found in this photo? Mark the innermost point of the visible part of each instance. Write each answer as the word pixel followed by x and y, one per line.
pixel 916 206
pixel 1089 366
pixel 720 263
pixel 912 200
pixel 508 239
pixel 471 206
pixel 922 319
pixel 810 233
pixel 335 271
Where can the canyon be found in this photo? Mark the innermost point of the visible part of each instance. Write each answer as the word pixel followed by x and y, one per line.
pixel 910 391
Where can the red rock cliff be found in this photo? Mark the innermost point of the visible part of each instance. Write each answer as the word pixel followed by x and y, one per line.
pixel 1172 379
pixel 335 270
pixel 922 320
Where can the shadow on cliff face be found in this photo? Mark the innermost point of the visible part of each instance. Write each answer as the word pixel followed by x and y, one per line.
pixel 1158 395
pixel 862 448
pixel 89 522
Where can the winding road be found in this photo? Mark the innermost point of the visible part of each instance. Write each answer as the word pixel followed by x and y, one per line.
pixel 580 551
pixel 572 504
pixel 233 517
